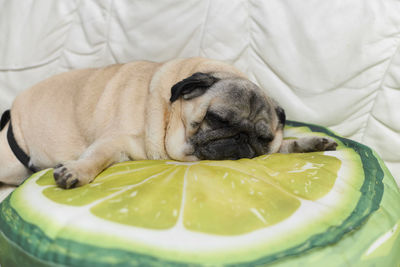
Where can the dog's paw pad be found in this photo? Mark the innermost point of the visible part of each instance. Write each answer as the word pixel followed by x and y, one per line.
pixel 64 177
pixel 324 144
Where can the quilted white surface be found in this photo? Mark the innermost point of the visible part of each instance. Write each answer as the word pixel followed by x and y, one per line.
pixel 334 63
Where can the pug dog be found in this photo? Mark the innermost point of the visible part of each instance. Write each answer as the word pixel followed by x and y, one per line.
pixel 82 121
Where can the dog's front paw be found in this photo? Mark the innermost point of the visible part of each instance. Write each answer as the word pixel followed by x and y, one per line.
pixel 314 144
pixel 324 144
pixel 65 177
pixel 321 144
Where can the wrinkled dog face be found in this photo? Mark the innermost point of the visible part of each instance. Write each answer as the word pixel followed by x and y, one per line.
pixel 240 121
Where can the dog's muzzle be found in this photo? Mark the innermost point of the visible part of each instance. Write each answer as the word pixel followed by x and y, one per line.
pixel 233 147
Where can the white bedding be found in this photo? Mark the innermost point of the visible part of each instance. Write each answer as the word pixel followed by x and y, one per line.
pixel 334 63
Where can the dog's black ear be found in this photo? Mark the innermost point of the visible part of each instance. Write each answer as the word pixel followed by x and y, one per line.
pixel 193 86
pixel 281 115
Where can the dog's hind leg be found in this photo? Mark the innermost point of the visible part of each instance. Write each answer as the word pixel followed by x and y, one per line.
pixel 11 169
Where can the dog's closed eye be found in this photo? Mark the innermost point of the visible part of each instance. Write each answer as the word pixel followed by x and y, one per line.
pixel 215 120
pixel 265 139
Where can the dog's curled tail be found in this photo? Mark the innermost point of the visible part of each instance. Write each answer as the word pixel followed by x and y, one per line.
pixel 4 119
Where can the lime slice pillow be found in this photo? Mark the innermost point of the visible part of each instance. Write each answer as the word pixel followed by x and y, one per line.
pixel 334 208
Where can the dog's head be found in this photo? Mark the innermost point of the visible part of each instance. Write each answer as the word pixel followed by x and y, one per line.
pixel 227 117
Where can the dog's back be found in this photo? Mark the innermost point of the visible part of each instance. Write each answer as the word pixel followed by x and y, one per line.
pixel 50 109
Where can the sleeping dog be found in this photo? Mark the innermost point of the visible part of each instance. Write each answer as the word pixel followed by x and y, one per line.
pixel 82 121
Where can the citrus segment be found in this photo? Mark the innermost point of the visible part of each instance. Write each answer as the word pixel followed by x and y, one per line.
pixel 308 175
pixel 153 203
pixel 107 183
pixel 233 202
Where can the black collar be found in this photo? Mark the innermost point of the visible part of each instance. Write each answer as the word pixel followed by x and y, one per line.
pixel 16 149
